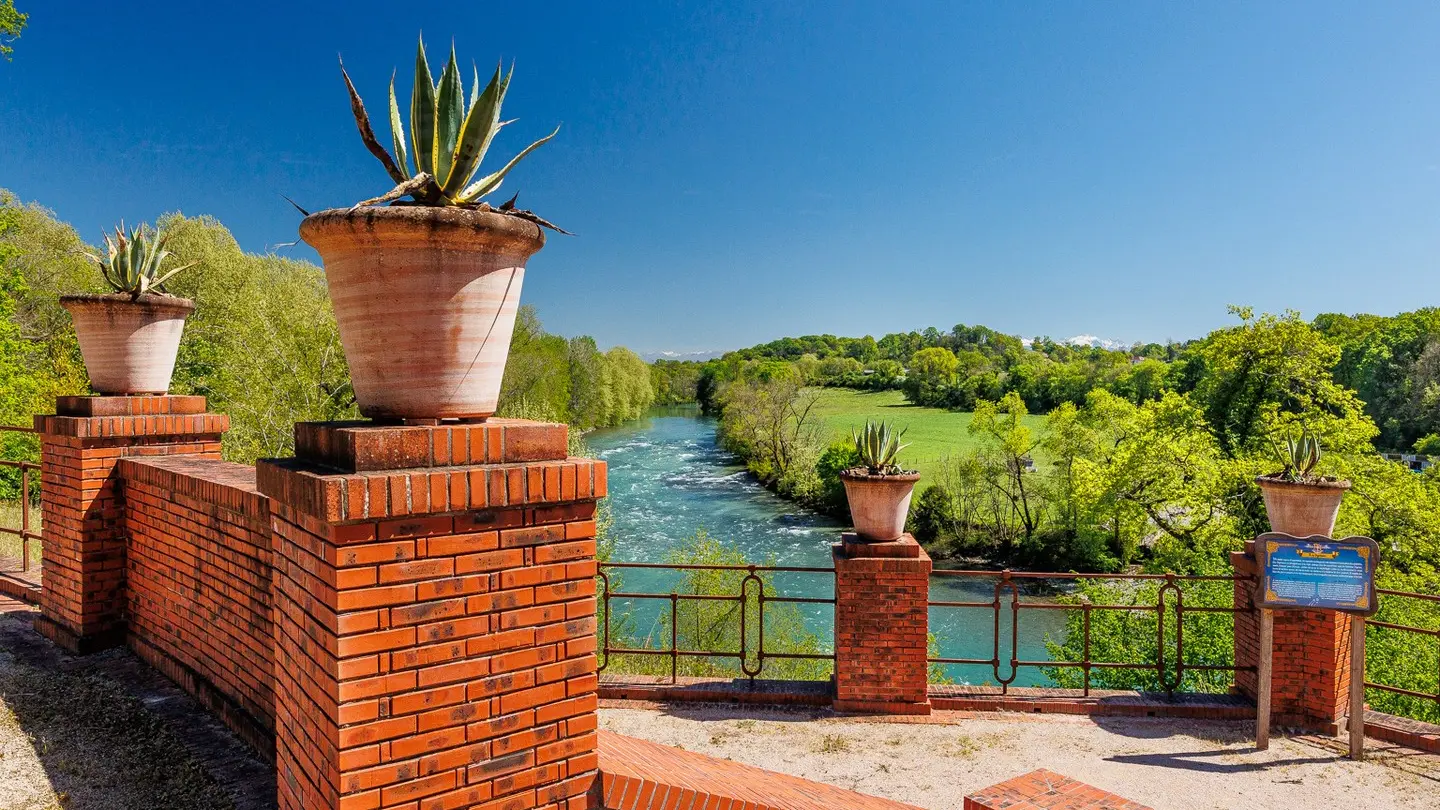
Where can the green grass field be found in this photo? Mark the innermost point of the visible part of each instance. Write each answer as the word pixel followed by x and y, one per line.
pixel 933 433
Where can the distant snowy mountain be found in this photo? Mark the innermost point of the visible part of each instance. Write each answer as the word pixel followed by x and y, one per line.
pixel 1091 340
pixel 710 354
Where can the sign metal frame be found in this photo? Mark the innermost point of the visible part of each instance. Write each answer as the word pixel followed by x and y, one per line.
pixel 1268 599
pixel 1272 548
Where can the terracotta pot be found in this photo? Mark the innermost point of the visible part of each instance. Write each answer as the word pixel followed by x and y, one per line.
pixel 129 345
pixel 425 299
pixel 1302 509
pixel 879 504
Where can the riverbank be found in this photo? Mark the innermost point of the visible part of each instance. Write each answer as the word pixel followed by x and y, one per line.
pixel 669 479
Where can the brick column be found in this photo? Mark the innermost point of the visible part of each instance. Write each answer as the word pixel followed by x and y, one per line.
pixel 1310 683
pixel 434 597
pixel 881 626
pixel 83 565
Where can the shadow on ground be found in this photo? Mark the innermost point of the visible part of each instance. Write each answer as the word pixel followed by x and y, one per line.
pixel 105 732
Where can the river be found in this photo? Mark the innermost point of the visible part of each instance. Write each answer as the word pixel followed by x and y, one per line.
pixel 669 479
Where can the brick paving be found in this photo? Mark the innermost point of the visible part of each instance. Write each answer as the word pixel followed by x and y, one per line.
pixel 1047 790
pixel 638 774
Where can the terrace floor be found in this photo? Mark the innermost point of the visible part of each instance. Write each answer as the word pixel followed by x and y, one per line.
pixel 106 732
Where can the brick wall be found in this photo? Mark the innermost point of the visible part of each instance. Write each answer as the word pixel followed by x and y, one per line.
pixel 198 584
pixel 435 624
pixel 83 597
pixel 882 626
pixel 401 615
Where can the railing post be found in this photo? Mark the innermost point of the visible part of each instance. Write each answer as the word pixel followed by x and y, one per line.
pixel 882 594
pixel 1310 668
pixel 434 594
pixel 83 564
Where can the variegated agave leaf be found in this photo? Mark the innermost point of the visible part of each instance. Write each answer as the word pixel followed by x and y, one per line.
pixel 133 263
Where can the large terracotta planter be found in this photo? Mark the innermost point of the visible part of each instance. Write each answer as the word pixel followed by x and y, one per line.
pixel 129 345
pixel 879 504
pixel 425 299
pixel 1302 509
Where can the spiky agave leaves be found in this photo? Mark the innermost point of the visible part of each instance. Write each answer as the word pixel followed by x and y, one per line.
pixel 436 162
pixel 134 263
pixel 878 446
pixel 1302 455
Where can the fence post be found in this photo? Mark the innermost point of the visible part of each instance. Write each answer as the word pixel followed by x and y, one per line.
pixel 434 596
pixel 83 561
pixel 882 594
pixel 1310 681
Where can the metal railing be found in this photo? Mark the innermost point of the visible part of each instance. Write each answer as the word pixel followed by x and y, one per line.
pixel 1405 658
pixel 25 531
pixel 746 607
pixel 1168 607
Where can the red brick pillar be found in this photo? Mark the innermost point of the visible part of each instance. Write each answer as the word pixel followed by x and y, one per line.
pixel 434 617
pixel 1310 682
pixel 882 626
pixel 83 565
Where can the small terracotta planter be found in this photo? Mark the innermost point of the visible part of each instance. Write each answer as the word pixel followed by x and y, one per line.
pixel 1302 509
pixel 879 504
pixel 425 299
pixel 129 345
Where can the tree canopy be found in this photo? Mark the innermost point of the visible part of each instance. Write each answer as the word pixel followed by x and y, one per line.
pixel 12 22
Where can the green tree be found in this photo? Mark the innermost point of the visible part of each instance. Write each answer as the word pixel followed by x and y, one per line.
pixel 537 372
pixel 931 375
pixel 1007 444
pixel 1271 372
pixel 12 22
pixel 630 377
pixel 676 382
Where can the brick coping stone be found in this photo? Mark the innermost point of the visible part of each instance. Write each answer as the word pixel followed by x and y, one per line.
pixel 363 446
pixel 641 775
pixel 1046 790
pixel 129 405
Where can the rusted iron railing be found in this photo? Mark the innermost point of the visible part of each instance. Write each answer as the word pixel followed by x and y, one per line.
pixel 25 531
pixel 1398 651
pixel 1169 666
pixel 748 611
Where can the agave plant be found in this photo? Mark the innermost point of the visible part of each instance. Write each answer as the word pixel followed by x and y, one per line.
pixel 134 262
pixel 1301 456
pixel 878 445
pixel 436 163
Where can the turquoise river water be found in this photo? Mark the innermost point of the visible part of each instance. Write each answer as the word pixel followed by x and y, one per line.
pixel 670 479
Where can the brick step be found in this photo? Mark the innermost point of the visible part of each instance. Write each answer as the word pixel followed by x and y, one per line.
pixel 639 775
pixel 1047 790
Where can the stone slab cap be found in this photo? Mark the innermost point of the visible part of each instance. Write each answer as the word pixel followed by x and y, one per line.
pixel 1043 789
pixel 903 547
pixel 364 446
pixel 128 405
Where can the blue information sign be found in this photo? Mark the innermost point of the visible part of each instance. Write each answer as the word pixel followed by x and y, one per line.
pixel 1318 573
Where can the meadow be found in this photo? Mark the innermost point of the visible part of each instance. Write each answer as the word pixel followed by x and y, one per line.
pixel 932 433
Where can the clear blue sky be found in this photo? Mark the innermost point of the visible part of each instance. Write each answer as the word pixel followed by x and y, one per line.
pixel 749 170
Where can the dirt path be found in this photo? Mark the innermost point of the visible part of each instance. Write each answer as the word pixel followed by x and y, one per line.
pixel 1167 764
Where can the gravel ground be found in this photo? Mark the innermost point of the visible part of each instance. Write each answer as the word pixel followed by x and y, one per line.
pixel 105 732
pixel 1167 764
